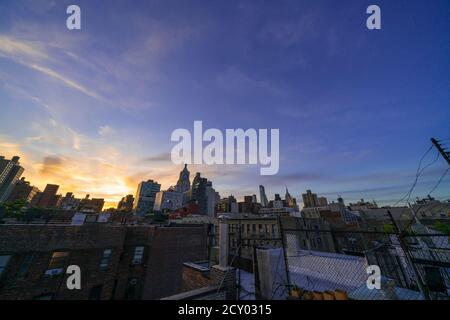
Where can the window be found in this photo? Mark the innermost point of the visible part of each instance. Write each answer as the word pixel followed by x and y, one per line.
pixel 57 263
pixel 25 266
pixel 106 257
pixel 254 227
pixel 4 259
pixel 131 291
pixel 138 255
pixel 114 289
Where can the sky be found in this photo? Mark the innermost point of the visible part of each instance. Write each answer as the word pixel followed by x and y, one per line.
pixel 93 109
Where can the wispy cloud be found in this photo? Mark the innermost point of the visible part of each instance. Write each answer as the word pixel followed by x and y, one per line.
pixel 26 54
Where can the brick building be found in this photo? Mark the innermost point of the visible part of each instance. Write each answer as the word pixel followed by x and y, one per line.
pixel 116 261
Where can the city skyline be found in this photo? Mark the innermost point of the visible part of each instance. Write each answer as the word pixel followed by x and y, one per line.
pixel 92 110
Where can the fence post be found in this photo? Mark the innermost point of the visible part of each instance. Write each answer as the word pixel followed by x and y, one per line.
pixel 404 246
pixel 283 244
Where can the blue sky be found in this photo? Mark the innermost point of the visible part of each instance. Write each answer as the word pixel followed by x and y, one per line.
pixel 93 110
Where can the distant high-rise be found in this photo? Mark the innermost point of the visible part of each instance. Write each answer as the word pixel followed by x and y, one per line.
pixel 91 205
pixel 47 198
pixel 183 183
pixel 310 199
pixel 228 205
pixel 69 202
pixel 168 200
pixel 213 199
pixel 198 192
pixel 323 201
pixel 249 205
pixel 10 172
pixel 248 199
pixel 290 201
pixel 23 191
pixel 126 203
pixel 204 195
pixel 262 195
pixel 145 196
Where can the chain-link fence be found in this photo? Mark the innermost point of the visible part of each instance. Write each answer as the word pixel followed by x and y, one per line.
pixel 298 258
pixel 366 265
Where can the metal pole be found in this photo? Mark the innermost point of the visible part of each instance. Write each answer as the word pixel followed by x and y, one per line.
pixel 283 243
pixel 239 262
pixel 441 150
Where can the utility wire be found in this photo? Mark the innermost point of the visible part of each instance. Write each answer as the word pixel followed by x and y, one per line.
pixel 418 174
pixel 429 194
pixel 439 182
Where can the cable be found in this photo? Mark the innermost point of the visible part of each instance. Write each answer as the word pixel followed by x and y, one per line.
pixel 429 194
pixel 439 182
pixel 418 174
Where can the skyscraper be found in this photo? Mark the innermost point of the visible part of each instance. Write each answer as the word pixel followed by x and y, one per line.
pixel 126 203
pixel 145 196
pixel 23 191
pixel 183 183
pixel 310 199
pixel 198 193
pixel 204 195
pixel 168 200
pixel 290 201
pixel 47 198
pixel 262 195
pixel 10 172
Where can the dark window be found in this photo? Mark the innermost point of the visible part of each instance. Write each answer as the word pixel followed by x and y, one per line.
pixel 96 293
pixel 132 289
pixel 25 266
pixel 106 257
pixel 113 294
pixel 4 260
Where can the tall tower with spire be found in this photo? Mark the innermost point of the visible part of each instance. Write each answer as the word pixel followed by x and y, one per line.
pixel 183 184
pixel 290 202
